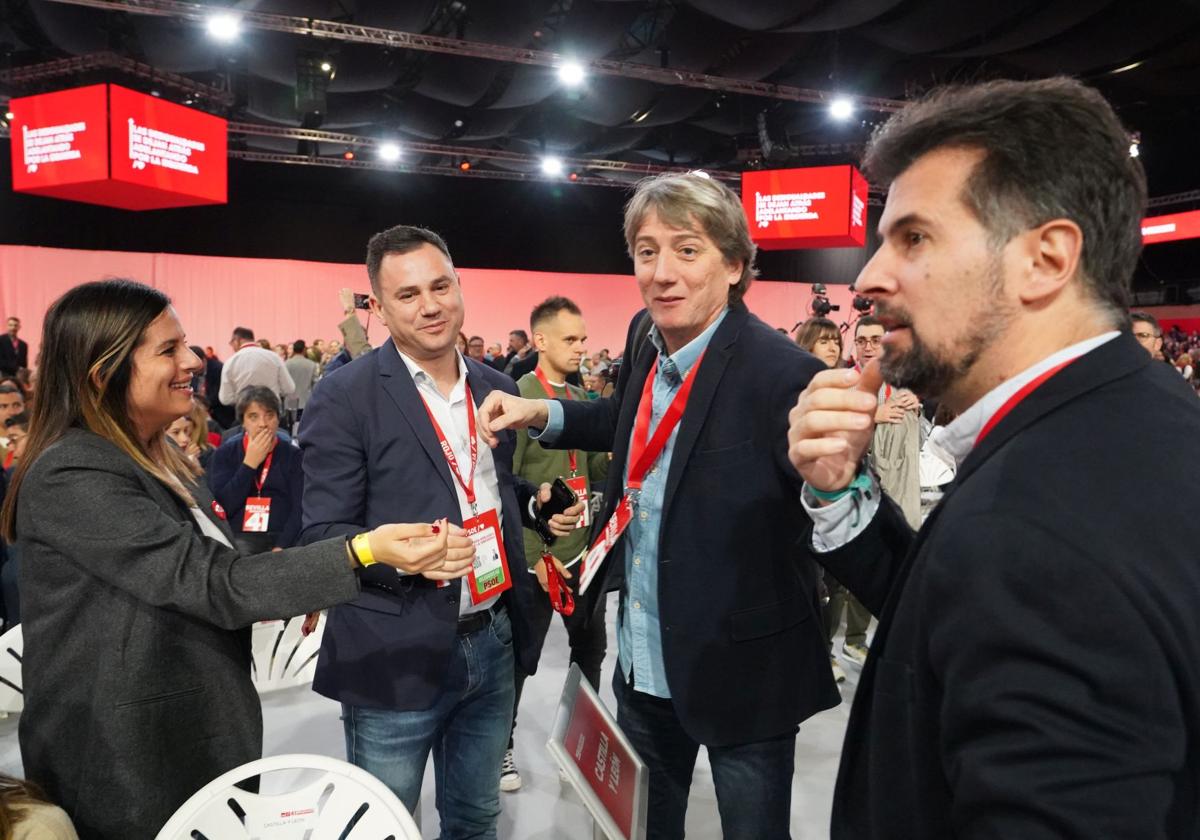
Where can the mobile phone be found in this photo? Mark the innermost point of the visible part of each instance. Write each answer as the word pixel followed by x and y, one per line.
pixel 561 498
pixel 362 301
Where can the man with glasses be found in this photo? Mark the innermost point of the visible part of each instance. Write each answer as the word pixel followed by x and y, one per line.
pixel 1148 333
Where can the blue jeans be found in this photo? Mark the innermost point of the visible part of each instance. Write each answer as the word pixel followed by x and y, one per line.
pixel 753 781
pixel 467 730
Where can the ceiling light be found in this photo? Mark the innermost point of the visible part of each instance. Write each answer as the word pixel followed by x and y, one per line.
pixel 1135 65
pixel 224 27
pixel 1135 142
pixel 841 108
pixel 348 154
pixel 464 165
pixel 326 66
pixel 458 123
pixel 9 115
pixel 571 73
pixel 552 166
pixel 574 176
pixel 389 152
pixel 1134 151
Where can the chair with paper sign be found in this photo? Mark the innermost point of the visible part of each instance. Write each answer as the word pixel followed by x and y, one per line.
pixel 12 699
pixel 342 802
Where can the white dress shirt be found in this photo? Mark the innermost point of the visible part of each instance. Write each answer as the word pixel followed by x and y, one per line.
pixel 837 524
pixel 451 416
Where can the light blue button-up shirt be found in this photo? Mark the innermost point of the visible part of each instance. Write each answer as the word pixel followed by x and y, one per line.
pixel 639 633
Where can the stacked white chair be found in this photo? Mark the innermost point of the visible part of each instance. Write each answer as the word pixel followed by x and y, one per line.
pixel 12 698
pixel 282 656
pixel 343 803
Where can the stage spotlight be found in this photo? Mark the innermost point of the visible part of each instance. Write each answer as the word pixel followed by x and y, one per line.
pixel 9 115
pixel 389 152
pixel 464 165
pixel 552 166
pixel 574 176
pixel 326 67
pixel 571 73
pixel 224 27
pixel 348 154
pixel 1135 144
pixel 841 108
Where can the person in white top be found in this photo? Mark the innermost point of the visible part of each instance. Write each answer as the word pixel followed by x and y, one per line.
pixel 251 364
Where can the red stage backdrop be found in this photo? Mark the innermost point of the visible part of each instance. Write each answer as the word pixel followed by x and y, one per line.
pixel 813 207
pixel 282 300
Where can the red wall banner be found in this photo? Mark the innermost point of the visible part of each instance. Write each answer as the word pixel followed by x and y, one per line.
pixel 814 207
pixel 1170 228
pixel 105 144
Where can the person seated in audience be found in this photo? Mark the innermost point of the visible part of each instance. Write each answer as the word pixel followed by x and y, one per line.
pixel 136 606
pixel 12 403
pixel 26 813
pixel 16 428
pixel 190 434
pixel 258 481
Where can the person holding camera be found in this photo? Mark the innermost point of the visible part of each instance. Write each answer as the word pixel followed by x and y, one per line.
pixel 560 335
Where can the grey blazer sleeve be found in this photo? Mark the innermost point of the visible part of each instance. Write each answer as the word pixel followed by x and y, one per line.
pixel 90 505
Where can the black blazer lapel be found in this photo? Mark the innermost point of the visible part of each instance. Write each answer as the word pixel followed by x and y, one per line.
pixel 1112 360
pixel 398 384
pixel 708 377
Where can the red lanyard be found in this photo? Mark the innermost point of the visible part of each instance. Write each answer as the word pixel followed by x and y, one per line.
pixel 642 454
pixel 266 467
pixel 467 485
pixel 1013 401
pixel 574 460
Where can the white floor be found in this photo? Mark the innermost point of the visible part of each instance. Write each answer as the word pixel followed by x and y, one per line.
pixel 299 721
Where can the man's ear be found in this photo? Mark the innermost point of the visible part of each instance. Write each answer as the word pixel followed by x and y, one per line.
pixel 1050 255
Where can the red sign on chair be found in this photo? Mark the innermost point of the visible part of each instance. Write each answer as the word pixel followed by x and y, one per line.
pixel 815 207
pixel 105 144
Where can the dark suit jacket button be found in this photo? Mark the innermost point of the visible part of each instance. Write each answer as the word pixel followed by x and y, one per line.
pixel 450 599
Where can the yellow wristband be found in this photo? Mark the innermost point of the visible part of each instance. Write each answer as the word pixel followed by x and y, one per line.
pixel 362 550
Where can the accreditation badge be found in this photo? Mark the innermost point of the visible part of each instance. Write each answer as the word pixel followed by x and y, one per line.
pixel 580 485
pixel 257 516
pixel 489 573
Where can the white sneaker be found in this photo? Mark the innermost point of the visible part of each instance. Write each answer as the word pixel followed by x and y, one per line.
pixel 839 676
pixel 510 779
pixel 855 653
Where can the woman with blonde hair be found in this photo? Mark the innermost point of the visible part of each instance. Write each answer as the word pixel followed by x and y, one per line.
pixel 135 606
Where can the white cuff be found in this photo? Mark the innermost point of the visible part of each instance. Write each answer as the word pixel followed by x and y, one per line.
pixel 839 522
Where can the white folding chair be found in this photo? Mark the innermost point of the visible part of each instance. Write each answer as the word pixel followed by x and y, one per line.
pixel 345 802
pixel 281 655
pixel 12 698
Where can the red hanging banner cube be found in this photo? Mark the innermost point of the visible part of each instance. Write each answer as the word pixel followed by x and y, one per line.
pixel 105 144
pixel 814 207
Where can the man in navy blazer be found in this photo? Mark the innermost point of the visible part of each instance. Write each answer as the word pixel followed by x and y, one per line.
pixel 719 641
pixel 422 663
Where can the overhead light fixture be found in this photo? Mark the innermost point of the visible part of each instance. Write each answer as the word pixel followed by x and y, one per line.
pixel 1135 143
pixel 155 94
pixel 1135 65
pixel 841 108
pixel 348 154
pixel 571 73
pixel 224 26
pixel 552 166
pixel 464 165
pixel 326 67
pixel 574 176
pixel 9 115
pixel 389 152
pixel 458 123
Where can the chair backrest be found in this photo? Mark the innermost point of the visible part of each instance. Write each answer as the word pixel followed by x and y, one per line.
pixel 12 696
pixel 281 656
pixel 344 803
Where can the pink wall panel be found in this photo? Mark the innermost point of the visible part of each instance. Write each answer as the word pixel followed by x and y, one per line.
pixel 287 299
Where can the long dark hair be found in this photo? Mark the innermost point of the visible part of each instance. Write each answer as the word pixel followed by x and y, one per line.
pixel 815 329
pixel 15 796
pixel 88 339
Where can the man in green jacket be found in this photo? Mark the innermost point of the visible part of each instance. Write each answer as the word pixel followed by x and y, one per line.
pixel 559 336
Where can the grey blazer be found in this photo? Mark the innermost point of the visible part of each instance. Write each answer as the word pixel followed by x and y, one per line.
pixel 137 643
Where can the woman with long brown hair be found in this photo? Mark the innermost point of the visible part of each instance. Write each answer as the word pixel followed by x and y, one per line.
pixel 822 338
pixel 136 607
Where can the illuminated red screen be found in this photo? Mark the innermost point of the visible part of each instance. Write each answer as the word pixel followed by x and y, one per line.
pixel 815 207
pixel 1170 228
pixel 60 138
pixel 109 145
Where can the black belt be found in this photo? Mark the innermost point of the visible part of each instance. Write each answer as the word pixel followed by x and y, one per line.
pixel 476 621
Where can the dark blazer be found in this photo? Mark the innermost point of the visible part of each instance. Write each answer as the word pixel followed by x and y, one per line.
pixel 1036 671
pixel 371 457
pixel 232 482
pixel 745 657
pixel 137 643
pixel 13 358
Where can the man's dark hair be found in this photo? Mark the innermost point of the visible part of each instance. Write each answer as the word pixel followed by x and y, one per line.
pixel 244 333
pixel 265 397
pixel 401 239
pixel 478 338
pixel 550 307
pixel 866 321
pixel 298 346
pixel 10 389
pixel 1053 149
pixel 21 420
pixel 521 334
pixel 1147 318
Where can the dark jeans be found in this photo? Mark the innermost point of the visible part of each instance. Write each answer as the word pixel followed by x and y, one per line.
pixel 464 730
pixel 753 781
pixel 588 640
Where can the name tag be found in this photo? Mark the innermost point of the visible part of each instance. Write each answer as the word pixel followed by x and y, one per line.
pixel 580 486
pixel 257 515
pixel 489 575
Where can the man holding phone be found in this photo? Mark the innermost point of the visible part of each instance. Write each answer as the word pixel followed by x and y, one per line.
pixel 559 336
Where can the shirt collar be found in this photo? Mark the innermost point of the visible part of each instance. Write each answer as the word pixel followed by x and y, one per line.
pixel 420 377
pixel 957 438
pixel 677 364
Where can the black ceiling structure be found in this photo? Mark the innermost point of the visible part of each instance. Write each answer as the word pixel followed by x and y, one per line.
pixel 714 84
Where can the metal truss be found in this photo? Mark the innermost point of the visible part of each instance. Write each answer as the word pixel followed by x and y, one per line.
pixel 354 33
pixel 33 73
pixel 1175 198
